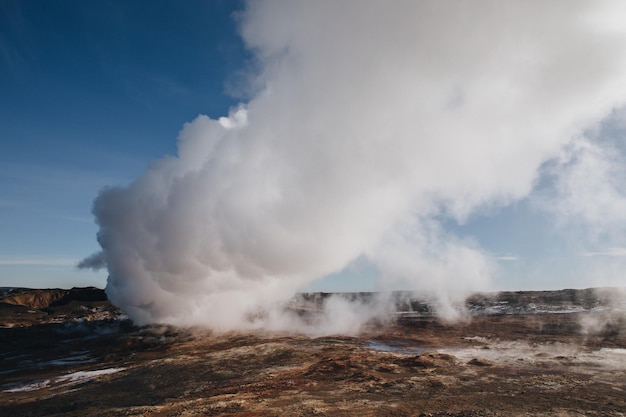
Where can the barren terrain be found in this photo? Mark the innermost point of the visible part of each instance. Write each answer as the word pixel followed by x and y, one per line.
pixel 521 354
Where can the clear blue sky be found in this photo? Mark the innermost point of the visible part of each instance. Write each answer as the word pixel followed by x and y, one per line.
pixel 91 92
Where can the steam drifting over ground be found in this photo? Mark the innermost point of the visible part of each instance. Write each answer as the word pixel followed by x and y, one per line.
pixel 371 122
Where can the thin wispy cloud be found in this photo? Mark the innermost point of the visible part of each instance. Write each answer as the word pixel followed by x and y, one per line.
pixel 35 175
pixel 36 261
pixel 505 258
pixel 607 252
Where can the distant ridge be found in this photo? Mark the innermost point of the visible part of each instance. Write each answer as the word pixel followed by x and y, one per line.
pixel 44 298
pixel 503 302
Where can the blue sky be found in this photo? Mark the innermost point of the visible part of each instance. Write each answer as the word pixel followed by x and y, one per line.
pixel 92 92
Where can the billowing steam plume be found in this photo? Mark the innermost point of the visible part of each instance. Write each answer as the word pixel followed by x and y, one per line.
pixel 372 121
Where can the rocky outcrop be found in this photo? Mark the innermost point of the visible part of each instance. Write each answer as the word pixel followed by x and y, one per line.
pixel 27 307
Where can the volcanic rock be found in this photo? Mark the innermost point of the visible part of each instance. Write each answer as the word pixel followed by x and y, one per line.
pixel 84 358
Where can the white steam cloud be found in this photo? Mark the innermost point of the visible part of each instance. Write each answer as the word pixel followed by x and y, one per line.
pixel 372 121
pixel 590 180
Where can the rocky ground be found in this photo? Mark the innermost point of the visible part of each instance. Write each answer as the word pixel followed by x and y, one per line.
pixel 521 354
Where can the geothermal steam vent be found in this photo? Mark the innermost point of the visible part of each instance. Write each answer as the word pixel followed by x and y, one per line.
pixel 371 125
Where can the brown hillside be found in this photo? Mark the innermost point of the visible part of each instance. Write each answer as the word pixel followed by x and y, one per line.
pixel 39 299
pixel 35 298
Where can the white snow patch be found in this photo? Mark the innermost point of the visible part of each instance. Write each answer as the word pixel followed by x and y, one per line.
pixel 33 386
pixel 81 376
pixel 63 380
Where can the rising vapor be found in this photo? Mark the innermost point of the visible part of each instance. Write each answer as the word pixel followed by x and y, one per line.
pixel 372 121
